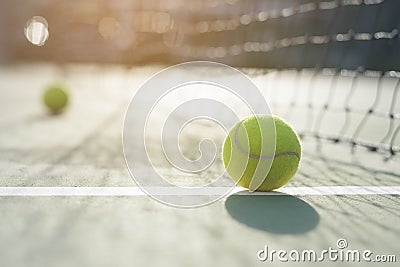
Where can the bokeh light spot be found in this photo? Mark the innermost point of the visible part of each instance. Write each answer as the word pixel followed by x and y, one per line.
pixel 36 30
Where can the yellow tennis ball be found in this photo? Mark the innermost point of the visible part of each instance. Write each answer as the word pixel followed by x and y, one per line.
pixel 250 154
pixel 55 97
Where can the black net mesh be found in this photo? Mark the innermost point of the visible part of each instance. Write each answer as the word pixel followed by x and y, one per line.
pixel 348 49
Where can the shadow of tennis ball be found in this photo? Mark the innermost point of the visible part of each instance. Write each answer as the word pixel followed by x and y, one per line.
pixel 279 214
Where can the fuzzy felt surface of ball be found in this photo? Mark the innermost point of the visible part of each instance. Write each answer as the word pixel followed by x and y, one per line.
pixel 55 98
pixel 262 153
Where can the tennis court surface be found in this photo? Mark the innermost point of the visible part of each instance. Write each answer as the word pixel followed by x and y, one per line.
pixel 87 211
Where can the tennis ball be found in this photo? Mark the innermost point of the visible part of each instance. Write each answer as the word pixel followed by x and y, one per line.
pixel 254 160
pixel 55 97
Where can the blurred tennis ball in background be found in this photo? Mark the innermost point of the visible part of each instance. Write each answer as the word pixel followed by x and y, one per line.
pixel 55 97
pixel 242 152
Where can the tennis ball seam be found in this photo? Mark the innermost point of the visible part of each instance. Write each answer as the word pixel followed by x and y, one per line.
pixel 255 156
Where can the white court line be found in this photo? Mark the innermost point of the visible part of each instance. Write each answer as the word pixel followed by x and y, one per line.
pixel 171 191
